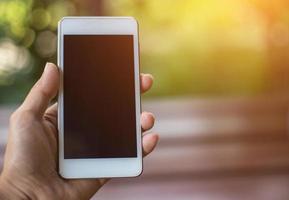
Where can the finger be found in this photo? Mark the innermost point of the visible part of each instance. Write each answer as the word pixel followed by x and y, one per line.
pixel 149 142
pixel 43 91
pixel 147 121
pixel 146 82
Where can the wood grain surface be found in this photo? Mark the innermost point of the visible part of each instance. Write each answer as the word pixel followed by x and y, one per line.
pixel 210 149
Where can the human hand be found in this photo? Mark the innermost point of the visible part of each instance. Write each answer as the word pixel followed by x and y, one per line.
pixel 31 158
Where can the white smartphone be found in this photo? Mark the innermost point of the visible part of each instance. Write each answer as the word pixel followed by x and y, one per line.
pixel 99 99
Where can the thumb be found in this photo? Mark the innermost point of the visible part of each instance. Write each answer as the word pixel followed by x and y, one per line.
pixel 43 91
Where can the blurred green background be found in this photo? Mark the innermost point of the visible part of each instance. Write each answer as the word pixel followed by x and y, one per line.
pixel 196 48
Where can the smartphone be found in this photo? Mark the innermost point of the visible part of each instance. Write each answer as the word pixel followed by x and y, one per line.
pixel 99 99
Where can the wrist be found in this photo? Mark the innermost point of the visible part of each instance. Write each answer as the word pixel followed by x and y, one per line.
pixel 9 191
pixel 14 188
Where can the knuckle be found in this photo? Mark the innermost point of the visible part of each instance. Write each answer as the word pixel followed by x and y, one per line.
pixel 21 115
pixel 26 114
pixel 13 116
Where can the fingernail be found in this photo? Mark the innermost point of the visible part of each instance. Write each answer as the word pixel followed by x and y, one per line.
pixel 47 69
pixel 47 66
pixel 151 76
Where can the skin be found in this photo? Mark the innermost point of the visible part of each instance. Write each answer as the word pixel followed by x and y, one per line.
pixel 30 164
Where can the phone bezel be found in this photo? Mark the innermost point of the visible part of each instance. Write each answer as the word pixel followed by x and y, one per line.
pixel 99 167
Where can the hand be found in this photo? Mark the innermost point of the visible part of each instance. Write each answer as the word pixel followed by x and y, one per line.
pixel 30 164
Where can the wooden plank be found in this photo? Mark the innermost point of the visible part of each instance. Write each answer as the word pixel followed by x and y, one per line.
pixel 218 157
pixel 179 107
pixel 256 187
pixel 221 118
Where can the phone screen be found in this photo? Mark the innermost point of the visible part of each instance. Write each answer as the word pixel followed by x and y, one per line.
pixel 99 97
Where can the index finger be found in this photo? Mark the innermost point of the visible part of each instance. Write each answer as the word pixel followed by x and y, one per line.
pixel 146 81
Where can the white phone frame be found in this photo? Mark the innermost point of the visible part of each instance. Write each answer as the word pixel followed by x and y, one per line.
pixel 99 167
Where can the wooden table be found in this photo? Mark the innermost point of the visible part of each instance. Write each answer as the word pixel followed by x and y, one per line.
pixel 210 149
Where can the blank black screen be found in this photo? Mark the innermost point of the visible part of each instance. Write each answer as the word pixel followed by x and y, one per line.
pixel 99 97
